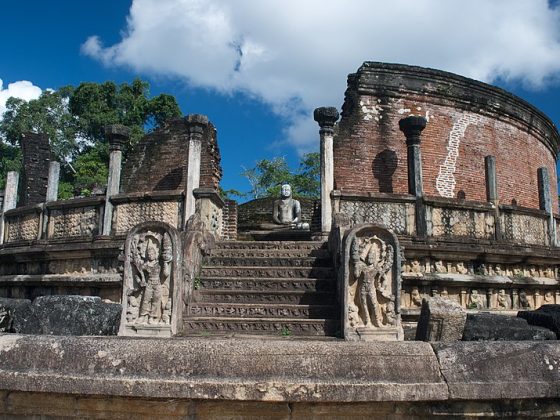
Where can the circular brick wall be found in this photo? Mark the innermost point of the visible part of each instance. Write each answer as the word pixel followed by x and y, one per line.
pixel 467 120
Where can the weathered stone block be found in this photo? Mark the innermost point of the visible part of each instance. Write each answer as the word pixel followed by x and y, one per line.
pixel 547 316
pixel 68 315
pixel 11 309
pixel 440 320
pixel 486 326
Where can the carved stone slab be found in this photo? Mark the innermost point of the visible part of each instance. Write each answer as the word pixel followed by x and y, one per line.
pixel 152 280
pixel 371 285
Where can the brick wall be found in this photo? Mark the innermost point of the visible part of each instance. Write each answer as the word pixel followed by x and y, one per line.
pixel 35 175
pixel 467 121
pixel 229 220
pixel 159 161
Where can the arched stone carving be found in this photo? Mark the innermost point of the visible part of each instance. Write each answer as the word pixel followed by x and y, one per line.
pixel 152 276
pixel 372 284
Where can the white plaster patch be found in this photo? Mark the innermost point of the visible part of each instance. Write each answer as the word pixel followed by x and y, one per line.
pixel 445 181
pixel 371 111
pixel 403 111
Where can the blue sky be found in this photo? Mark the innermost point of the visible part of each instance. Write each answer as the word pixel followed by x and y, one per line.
pixel 258 68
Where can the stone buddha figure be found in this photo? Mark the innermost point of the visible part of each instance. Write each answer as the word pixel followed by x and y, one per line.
pixel 286 212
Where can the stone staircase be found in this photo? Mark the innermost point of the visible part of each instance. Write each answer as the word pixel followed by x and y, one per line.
pixel 271 288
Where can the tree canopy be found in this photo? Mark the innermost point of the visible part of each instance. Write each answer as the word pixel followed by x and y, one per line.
pixel 268 175
pixel 73 118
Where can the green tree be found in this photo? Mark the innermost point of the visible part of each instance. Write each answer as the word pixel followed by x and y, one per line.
pixel 74 120
pixel 268 175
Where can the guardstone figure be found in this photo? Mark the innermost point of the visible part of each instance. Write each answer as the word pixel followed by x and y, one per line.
pixel 151 273
pixel 372 286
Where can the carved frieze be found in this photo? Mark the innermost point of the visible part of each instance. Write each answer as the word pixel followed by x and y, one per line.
pixel 151 280
pixel 371 291
pixel 128 215
pixel 492 297
pixel 461 223
pixel 23 227
pixel 74 222
pixel 397 217
pixel 425 266
pixel 523 228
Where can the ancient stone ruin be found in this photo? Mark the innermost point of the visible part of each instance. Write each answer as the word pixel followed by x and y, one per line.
pixel 438 208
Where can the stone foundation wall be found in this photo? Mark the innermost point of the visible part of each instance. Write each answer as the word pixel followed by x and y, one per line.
pixel 87 376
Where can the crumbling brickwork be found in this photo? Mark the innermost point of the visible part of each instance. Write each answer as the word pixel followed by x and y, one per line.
pixel 229 220
pixel 467 120
pixel 159 161
pixel 35 175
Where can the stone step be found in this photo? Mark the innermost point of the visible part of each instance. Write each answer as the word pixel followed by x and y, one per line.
pixel 269 253
pixel 306 327
pixel 272 245
pixel 266 262
pixel 268 272
pixel 264 284
pixel 278 297
pixel 252 310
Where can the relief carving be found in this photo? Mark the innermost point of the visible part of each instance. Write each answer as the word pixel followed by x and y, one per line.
pixel 151 279
pixel 372 284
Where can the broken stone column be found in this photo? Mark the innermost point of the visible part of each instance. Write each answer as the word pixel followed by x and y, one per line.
pixel 545 203
pixel 412 128
pixel 10 198
pixel 492 192
pixel 440 320
pixel 197 123
pixel 117 135
pixel 326 117
pixel 36 156
pixel 52 185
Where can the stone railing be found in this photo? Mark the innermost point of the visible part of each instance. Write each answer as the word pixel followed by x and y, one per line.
pixel 83 218
pixel 459 219
pixel 23 224
pixel 395 212
pixel 448 219
pixel 76 218
pixel 524 226
pixel 133 209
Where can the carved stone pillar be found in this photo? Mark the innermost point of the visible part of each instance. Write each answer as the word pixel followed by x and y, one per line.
pixel 52 191
pixel 326 117
pixel 196 125
pixel 412 128
pixel 10 198
pixel 117 135
pixel 545 203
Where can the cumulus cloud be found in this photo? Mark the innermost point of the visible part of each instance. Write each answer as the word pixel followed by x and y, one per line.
pixel 22 89
pixel 295 55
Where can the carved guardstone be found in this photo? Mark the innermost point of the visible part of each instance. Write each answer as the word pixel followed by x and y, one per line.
pixel 371 285
pixel 152 280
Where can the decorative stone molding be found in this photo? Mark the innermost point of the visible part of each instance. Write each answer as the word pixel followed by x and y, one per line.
pixel 371 288
pixel 152 280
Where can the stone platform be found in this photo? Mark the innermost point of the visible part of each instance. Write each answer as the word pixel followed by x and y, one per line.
pixel 106 377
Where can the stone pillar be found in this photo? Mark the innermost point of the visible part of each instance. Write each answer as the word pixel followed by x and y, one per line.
pixel 412 128
pixel 117 135
pixel 492 193
pixel 326 117
pixel 545 203
pixel 196 125
pixel 52 185
pixel 10 198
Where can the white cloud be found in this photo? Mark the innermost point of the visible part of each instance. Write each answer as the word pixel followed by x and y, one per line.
pixel 295 55
pixel 22 89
